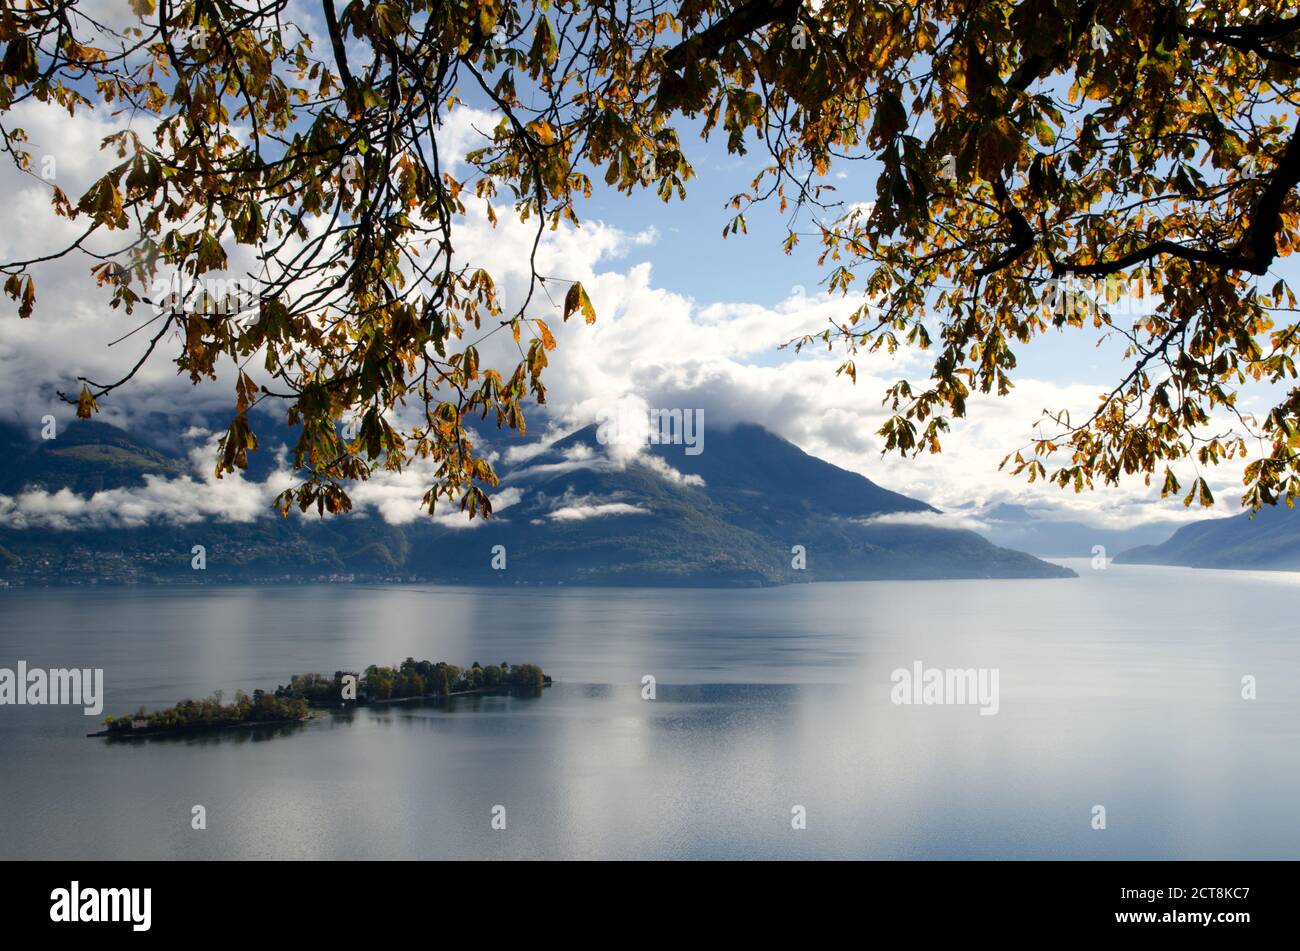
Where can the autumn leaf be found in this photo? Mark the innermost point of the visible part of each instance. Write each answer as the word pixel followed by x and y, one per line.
pixel 544 50
pixel 86 404
pixel 577 300
pixel 1005 148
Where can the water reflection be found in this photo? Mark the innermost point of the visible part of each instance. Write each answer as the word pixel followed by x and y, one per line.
pixel 1120 687
pixel 254 733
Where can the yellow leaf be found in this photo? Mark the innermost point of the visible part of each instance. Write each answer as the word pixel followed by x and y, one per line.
pixel 86 404
pixel 542 131
pixel 577 300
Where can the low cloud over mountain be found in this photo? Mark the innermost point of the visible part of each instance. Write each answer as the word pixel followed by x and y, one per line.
pixel 95 504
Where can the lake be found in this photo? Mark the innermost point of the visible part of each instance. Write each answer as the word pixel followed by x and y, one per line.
pixel 1121 688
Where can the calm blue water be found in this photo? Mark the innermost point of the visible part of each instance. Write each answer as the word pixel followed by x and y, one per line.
pixel 1120 688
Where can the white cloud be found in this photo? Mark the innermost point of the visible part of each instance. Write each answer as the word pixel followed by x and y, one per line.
pixel 394 496
pixel 177 501
pixel 649 345
pixel 574 513
pixel 661 468
pixel 949 520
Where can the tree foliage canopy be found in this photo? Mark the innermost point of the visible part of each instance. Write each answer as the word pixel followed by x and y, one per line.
pixel 1019 147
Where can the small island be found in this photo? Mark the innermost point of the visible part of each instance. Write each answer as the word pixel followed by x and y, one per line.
pixel 292 702
pixel 411 680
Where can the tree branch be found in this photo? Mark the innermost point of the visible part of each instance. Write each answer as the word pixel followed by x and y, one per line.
pixel 736 25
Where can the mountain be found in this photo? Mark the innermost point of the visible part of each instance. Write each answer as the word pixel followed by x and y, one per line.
pixel 87 457
pixel 1269 541
pixel 1015 526
pixel 736 514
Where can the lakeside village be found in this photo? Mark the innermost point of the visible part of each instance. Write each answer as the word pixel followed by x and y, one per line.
pixel 291 703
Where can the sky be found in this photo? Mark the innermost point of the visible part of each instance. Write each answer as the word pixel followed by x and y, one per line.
pixel 687 319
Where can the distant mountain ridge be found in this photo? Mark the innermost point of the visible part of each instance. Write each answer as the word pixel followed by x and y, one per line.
pixel 1269 542
pixel 1018 527
pixel 746 511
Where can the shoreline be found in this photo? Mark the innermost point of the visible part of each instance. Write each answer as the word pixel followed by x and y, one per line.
pixel 247 724
pixel 348 705
pixel 202 728
pixel 169 584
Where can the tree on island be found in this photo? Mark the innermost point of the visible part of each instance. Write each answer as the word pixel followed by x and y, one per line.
pixel 292 701
pixel 211 712
pixel 412 678
pixel 1018 148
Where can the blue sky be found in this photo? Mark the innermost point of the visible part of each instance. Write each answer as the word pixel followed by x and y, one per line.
pixel 686 319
